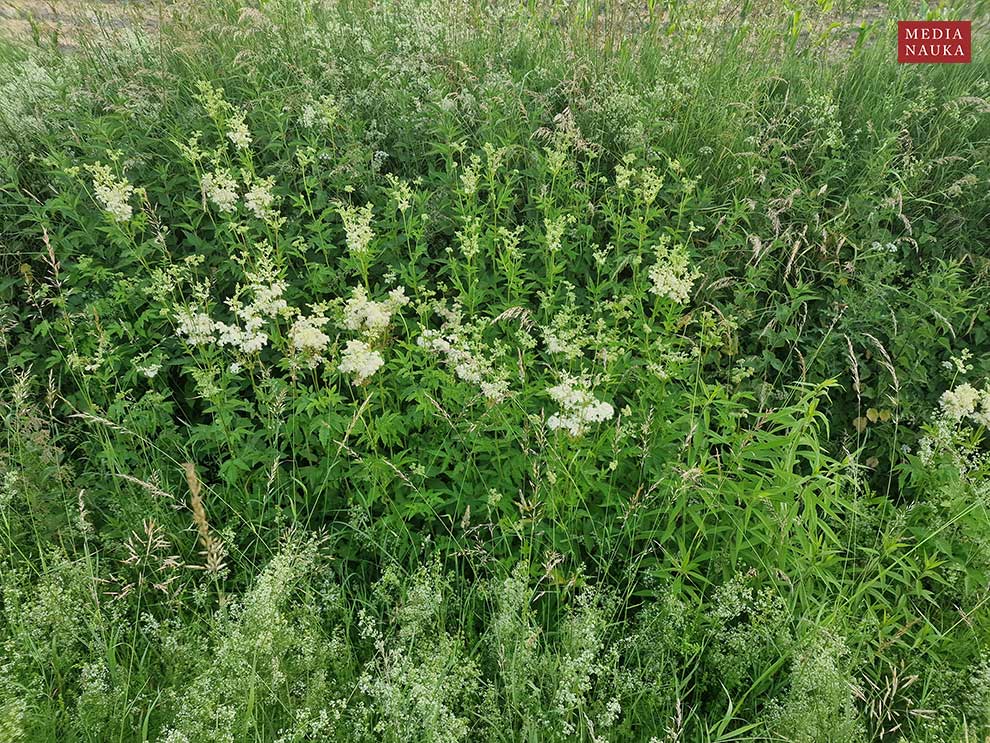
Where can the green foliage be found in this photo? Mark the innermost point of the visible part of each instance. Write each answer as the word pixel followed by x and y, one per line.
pixel 450 372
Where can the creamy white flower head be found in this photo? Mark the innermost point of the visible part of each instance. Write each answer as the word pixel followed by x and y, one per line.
pixel 266 302
pixel 469 239
pixel 322 112
pixel 468 361
pixel 469 178
pixel 247 340
pixel 495 390
pixel 357 227
pixel 960 402
pixel 671 275
pixel 149 370
pixel 360 361
pixel 238 132
pixel 966 401
pixel 196 327
pixel 369 317
pixel 579 409
pixel 624 174
pixel 113 194
pixel 650 184
pixel 567 334
pixel 401 193
pixel 259 199
pixel 221 189
pixel 555 230
pixel 306 334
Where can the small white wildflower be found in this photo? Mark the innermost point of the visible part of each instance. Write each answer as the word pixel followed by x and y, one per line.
pixel 469 238
pixel 308 116
pixel 360 360
pixel 671 275
pixel 601 255
pixel 495 390
pixel 220 188
pixel 612 711
pixel 267 302
pixel 960 364
pixel 650 184
pixel 469 362
pixel 555 231
pixel 966 401
pixel 112 193
pixel 369 317
pixel 196 327
pixel 322 112
pixel 960 402
pixel 248 339
pixel 401 193
pixel 623 176
pixel 623 173
pixel 357 227
pixel 579 408
pixel 238 132
pixel 8 488
pixel 469 178
pixel 259 199
pixel 567 333
pixel 149 370
pixel 306 334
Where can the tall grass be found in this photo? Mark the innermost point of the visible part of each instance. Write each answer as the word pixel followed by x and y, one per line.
pixel 455 371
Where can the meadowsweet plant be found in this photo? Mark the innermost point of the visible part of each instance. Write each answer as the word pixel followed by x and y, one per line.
pixel 579 409
pixel 459 371
pixel 113 194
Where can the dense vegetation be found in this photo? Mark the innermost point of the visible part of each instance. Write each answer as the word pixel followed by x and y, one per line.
pixel 458 371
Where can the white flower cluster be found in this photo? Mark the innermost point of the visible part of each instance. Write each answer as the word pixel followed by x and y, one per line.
pixel 200 329
pixel 463 353
pixel 671 275
pixel 469 178
pixel 469 239
pixel 650 184
pixel 259 199
pixel 306 334
pixel 149 370
pixel 196 327
pixel 267 303
pixel 370 319
pixel 224 114
pixel 946 438
pixel 220 188
pixel 623 173
pixel 357 228
pixel 401 193
pixel 579 409
pixel 322 112
pixel 238 132
pixel 113 194
pixel 360 360
pixel 567 334
pixel 965 401
pixel 555 230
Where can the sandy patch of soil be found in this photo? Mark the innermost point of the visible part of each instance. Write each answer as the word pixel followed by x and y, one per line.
pixel 62 21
